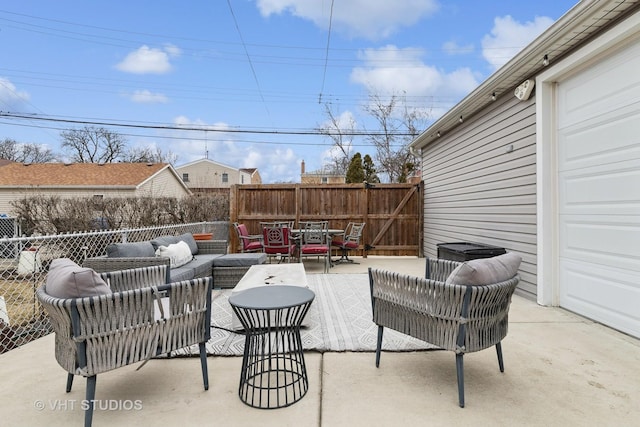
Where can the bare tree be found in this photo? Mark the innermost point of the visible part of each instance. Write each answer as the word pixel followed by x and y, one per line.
pixel 396 130
pixel 25 153
pixel 341 133
pixel 149 155
pixel 93 145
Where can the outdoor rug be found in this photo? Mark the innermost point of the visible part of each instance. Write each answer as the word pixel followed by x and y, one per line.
pixel 339 320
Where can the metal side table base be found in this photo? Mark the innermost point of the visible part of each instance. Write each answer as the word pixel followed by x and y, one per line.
pixel 274 373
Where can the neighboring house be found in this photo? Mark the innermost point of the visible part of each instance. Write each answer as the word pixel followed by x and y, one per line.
pixel 88 180
pixel 320 177
pixel 205 175
pixel 554 174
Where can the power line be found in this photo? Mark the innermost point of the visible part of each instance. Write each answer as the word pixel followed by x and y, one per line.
pixel 326 54
pixel 244 46
pixel 96 122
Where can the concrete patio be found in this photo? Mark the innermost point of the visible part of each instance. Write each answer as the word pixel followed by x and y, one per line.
pixel 560 369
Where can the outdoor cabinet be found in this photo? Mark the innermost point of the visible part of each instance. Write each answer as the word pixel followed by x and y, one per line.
pixel 465 251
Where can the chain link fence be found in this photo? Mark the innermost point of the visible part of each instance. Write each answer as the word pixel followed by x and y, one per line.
pixel 24 262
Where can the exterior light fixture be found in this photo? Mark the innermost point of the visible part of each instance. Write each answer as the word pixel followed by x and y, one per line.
pixel 494 96
pixel 545 60
pixel 460 119
pixel 438 134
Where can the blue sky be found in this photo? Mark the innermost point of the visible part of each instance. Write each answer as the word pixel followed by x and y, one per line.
pixel 226 67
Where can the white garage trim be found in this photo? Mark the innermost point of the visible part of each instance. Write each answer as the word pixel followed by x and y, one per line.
pixel 546 149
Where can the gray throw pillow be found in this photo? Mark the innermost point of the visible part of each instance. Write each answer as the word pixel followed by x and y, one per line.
pixel 189 240
pixel 164 241
pixel 486 271
pixel 134 249
pixel 66 279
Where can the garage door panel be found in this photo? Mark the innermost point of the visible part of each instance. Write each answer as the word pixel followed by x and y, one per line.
pixel 596 290
pixel 588 239
pixel 606 141
pixel 605 86
pixel 606 189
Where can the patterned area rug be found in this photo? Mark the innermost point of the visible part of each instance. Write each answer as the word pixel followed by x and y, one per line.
pixel 339 320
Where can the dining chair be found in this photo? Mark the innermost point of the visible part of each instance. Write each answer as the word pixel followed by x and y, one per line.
pixel 314 241
pixel 248 242
pixel 277 241
pixel 348 241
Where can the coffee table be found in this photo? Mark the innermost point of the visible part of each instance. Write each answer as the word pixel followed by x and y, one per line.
pixel 274 374
pixel 259 275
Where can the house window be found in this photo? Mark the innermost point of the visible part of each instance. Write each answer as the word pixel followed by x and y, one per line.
pixel 242 179
pixel 225 177
pixel 324 180
pixel 185 177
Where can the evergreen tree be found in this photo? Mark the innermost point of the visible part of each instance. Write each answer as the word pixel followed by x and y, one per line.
pixel 355 171
pixel 370 175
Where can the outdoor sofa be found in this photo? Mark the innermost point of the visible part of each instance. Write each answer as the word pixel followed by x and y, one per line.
pixel 202 259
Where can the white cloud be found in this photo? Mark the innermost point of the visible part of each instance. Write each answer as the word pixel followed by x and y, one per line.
pixel 373 19
pixel 147 97
pixel 10 97
pixel 146 60
pixel 391 70
pixel 508 37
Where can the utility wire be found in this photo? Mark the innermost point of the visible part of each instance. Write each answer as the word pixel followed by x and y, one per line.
pixel 96 122
pixel 326 53
pixel 244 46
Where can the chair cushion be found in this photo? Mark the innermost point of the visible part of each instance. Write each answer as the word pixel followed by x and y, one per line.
pixel 178 253
pixel 253 246
pixel 133 249
pixel 486 271
pixel 314 249
pixel 66 279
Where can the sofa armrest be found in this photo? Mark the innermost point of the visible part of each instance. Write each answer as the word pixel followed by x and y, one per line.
pixel 212 246
pixel 103 263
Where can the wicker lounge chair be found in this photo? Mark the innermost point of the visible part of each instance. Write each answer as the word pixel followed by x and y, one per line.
pixel 454 317
pixel 101 333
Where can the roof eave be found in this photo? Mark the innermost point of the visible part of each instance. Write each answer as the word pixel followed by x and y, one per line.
pixel 574 26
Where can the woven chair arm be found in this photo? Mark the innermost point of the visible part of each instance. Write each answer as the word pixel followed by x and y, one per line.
pixel 439 269
pixel 135 278
pixel 212 246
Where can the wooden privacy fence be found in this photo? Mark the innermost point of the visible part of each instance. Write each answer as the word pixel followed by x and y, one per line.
pixel 392 212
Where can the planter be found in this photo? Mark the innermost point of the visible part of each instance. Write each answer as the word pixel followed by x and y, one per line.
pixel 202 236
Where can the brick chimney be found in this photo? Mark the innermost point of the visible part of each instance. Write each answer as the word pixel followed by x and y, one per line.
pixel 302 167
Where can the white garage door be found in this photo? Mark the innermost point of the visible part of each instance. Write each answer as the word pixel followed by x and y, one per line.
pixel 599 191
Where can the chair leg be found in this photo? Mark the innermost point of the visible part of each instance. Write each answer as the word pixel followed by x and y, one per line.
pixel 379 345
pixel 90 396
pixel 69 382
pixel 460 372
pixel 203 362
pixel 499 352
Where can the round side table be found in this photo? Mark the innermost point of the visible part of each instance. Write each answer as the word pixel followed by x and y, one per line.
pixel 274 374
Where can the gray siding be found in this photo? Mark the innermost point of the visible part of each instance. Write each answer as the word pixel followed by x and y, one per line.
pixel 476 190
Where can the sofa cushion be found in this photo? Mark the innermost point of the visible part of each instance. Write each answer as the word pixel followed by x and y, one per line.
pixel 164 241
pixel 178 253
pixel 66 279
pixel 199 266
pixel 189 240
pixel 240 260
pixel 486 271
pixel 133 249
